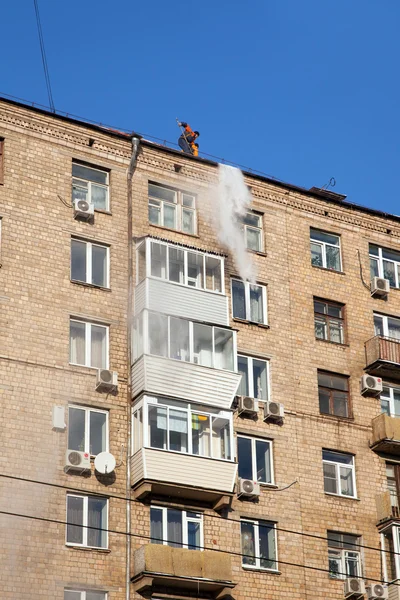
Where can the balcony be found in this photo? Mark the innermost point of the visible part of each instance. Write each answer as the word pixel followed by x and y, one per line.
pixel 386 434
pixel 193 478
pixel 170 378
pixel 383 357
pixel 384 509
pixel 177 572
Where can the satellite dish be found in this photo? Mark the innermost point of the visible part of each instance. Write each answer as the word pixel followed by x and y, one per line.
pixel 104 463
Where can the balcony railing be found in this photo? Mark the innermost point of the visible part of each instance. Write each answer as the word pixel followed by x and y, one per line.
pixel 382 356
pixel 386 434
pixel 385 509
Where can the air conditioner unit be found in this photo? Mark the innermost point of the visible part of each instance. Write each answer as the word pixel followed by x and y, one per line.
pixel 273 411
pixel 354 587
pixel 377 591
pixel 106 380
pixel 83 209
pixel 77 461
pixel 247 405
pixel 248 488
pixel 370 386
pixel 380 287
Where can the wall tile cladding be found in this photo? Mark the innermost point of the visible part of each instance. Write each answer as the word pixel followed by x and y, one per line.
pixel 37 299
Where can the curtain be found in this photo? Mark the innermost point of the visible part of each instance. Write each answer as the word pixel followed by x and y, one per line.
pixel 156 525
pixel 256 308
pixel 75 517
pixel 267 546
pixel 98 432
pixel 77 342
pixel 97 518
pixel 76 429
pixel 78 260
pixel 98 347
pixel 174 528
pixel 263 462
pixel 99 265
pixel 238 299
pixel 248 543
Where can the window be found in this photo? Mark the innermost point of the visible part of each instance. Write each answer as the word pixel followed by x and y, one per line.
pixel 255 459
pixel 87 430
pixel 184 340
pixel 255 377
pixel 89 263
pixel 390 540
pixel 325 250
pixel 390 401
pixel 181 427
pixel 88 344
pixel 84 595
pixel 249 301
pixel 253 233
pixel 339 476
pixel 176 528
pixel 333 392
pixel 178 265
pixel 87 521
pixel 259 544
pixel 1 161
pixel 329 321
pixel 393 485
pixel 172 208
pixel 385 263
pixel 344 556
pixel 91 185
pixel 387 326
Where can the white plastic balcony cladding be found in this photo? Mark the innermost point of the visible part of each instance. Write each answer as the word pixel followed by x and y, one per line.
pixel 177 379
pixel 181 301
pixel 183 469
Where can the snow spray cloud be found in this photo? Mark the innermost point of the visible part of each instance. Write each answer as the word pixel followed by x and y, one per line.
pixel 231 199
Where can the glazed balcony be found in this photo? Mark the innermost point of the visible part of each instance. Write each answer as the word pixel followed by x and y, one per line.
pixel 181 573
pixel 383 357
pixel 386 434
pixel 385 510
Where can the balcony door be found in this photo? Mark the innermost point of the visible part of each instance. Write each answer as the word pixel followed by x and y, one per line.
pixel 387 326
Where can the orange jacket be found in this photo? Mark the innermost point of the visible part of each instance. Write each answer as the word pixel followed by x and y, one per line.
pixel 195 149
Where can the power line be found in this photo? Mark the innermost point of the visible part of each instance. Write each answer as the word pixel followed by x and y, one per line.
pixel 44 59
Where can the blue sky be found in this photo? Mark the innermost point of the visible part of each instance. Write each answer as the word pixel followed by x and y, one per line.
pixel 303 91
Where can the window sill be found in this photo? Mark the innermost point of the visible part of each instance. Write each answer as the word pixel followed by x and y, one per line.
pixel 90 285
pixel 341 497
pixel 271 486
pixel 245 321
pixel 260 570
pixel 337 418
pixel 89 548
pixel 332 343
pixel 329 270
pixel 89 368
pixel 258 252
pixel 102 211
pixel 193 235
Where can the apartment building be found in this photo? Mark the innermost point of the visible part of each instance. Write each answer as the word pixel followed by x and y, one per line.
pixel 254 427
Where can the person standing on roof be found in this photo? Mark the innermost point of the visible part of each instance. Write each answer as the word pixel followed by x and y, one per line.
pixel 187 138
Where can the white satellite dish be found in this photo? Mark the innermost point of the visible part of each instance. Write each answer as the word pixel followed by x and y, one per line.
pixel 104 463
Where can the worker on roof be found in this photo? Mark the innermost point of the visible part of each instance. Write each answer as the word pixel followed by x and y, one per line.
pixel 195 149
pixel 187 138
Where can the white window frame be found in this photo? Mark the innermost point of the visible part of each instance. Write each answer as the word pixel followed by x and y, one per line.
pixel 89 184
pixel 379 260
pixel 88 343
pixel 185 521
pixel 324 245
pixel 253 458
pixel 338 465
pixel 257 556
pixel 89 261
pixel 179 208
pixel 247 303
pixel 389 397
pixel 85 521
pixel 385 324
pixel 88 410
pixel 342 556
pixel 386 558
pixel 186 251
pixel 259 229
pixel 84 592
pixel 250 371
pixel 188 408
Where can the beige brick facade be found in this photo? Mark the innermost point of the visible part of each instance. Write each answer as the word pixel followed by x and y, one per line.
pixel 37 299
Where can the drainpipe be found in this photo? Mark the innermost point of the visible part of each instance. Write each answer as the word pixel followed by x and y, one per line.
pixel 131 170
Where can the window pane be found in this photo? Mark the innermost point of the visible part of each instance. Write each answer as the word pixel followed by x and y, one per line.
pixel 350 540
pixel 202 345
pixel 238 299
pixel 188 220
pixel 346 481
pixel 334 311
pixel 394 328
pixel 324 401
pixel 157 427
pixel 253 239
pixel 76 429
pixel 97 521
pixel 169 216
pixel 158 334
pixel 193 535
pixel 335 539
pixel 245 458
pixel 339 383
pixel 330 483
pixel 336 331
pixel 99 347
pixel 385 406
pixel 251 218
pixel 201 435
pixel 213 274
pixel 95 596
pixel 267 546
pixel 195 270
pixel 188 200
pixel 248 543
pixel 77 342
pixel 174 528
pixel 345 459
pixel 389 272
pixel 99 197
pixel 90 174
pixel 80 190
pixel 243 369
pixel 321 236
pixel 98 432
pixel 374 249
pixel 391 254
pixel 99 265
pixel 221 438
pixel 396 402
pixel 156 528
pixel 333 258
pixel 154 213
pixel 260 379
pixel 352 562
pixel 78 260
pixel 162 193
pixel 178 430
pixel 70 595
pixel 176 264
pixel 320 328
pixel 263 461
pixel 340 404
pixel 378 325
pixel 256 304
pixel 335 565
pixel 74 519
pixel 320 307
pixel 316 255
pixel 179 339
pixel 223 340
pixel 158 260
